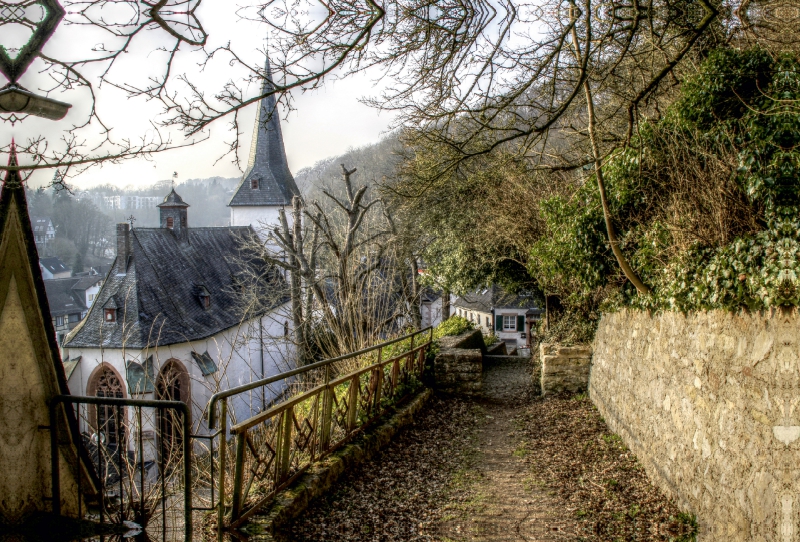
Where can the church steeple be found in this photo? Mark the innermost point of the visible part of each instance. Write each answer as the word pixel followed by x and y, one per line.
pixel 267 181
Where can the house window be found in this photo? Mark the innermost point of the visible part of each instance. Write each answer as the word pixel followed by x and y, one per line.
pixel 487 322
pixel 110 315
pixel 74 318
pixel 59 320
pixel 509 322
pixel 170 222
pixel 205 300
pixel 254 183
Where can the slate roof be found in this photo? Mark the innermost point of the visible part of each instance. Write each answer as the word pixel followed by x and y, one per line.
pixel 53 264
pixel 267 161
pixel 156 295
pixel 85 282
pixel 63 298
pixel 173 200
pixel 485 299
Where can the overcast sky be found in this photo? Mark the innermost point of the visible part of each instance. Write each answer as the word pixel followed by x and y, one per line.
pixel 325 121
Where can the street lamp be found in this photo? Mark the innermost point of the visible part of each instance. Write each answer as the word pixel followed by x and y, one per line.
pixel 15 99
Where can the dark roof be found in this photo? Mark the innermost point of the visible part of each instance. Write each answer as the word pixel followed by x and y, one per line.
pixel 85 282
pixel 173 200
pixel 53 264
pixel 486 299
pixel 267 161
pixel 156 296
pixel 62 296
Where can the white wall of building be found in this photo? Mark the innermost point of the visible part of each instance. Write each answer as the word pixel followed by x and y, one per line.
pixel 243 354
pixel 263 219
pixel 431 313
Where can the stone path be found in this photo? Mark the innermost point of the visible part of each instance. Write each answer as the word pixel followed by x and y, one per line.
pixel 507 467
pixel 511 506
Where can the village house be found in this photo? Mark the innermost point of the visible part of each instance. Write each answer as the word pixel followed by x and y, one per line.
pixel 509 316
pixel 69 300
pixel 43 232
pixel 54 268
pixel 168 322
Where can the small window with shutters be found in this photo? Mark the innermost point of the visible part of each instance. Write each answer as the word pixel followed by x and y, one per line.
pixel 170 222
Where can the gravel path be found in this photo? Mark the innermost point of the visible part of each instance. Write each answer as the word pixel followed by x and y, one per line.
pixel 508 467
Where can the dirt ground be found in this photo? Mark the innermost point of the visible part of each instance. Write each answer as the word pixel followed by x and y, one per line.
pixel 508 467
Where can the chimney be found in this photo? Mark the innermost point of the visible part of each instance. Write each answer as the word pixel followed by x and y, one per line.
pixel 123 245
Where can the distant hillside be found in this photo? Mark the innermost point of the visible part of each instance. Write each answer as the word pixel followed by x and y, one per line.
pixel 374 162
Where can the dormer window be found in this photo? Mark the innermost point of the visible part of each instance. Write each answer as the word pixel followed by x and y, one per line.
pixel 254 183
pixel 203 296
pixel 110 315
pixel 170 222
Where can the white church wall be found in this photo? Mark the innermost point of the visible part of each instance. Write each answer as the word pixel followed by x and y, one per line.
pixel 237 352
pixel 262 218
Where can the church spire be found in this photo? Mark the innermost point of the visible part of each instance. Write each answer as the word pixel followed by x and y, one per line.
pixel 267 180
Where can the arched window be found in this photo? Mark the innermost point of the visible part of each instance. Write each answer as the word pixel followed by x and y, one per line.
pixel 254 183
pixel 172 385
pixel 107 422
pixel 170 222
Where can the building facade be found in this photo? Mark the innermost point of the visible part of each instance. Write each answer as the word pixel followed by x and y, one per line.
pixel 167 323
pixel 69 300
pixel 511 317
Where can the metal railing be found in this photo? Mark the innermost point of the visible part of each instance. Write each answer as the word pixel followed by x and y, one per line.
pixel 274 447
pixel 135 482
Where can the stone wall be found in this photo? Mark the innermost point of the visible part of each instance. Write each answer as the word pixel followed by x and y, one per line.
pixel 709 403
pixel 458 367
pixel 564 368
pixel 459 370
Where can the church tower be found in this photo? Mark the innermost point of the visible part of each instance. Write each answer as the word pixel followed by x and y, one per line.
pixel 267 184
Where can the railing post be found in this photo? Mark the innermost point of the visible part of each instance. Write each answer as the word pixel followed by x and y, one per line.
pixel 377 381
pixel 352 404
pixel 286 444
pixel 187 475
pixel 238 474
pixel 223 448
pixel 327 412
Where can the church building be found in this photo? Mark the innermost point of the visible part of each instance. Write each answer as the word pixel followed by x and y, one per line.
pixel 168 324
pixel 267 184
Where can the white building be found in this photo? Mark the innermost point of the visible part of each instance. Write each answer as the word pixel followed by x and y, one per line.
pixel 139 202
pixel 510 317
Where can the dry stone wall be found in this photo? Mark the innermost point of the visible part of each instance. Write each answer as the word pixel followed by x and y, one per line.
pixel 458 367
pixel 709 403
pixel 564 368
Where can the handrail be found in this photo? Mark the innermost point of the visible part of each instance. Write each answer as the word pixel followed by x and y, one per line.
pixel 272 379
pixel 288 403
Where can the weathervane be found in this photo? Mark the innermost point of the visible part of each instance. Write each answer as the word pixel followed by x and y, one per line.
pixel 131 219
